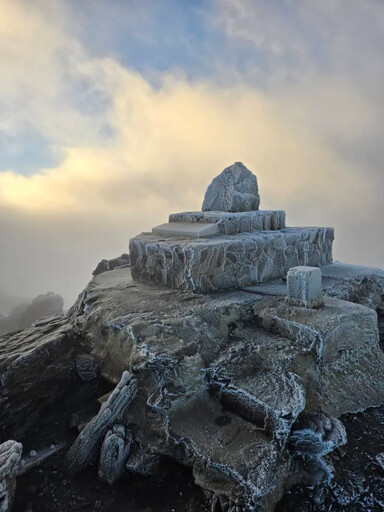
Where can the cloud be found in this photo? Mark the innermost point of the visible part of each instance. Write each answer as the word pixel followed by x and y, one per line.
pixel 132 152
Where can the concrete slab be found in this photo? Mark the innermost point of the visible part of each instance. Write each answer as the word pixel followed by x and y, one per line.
pixel 187 229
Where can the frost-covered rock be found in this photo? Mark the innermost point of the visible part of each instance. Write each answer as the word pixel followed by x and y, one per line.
pixel 114 454
pixel 10 456
pixel 316 434
pixel 206 265
pixel 142 462
pixel 234 190
pixel 106 265
pixel 341 340
pixel 84 449
pixel 217 391
pixel 380 459
pixel 86 367
pixel 355 283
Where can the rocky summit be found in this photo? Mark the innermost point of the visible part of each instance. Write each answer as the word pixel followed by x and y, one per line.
pixel 218 372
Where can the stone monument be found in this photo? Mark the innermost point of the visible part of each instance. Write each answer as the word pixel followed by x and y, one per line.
pixel 229 244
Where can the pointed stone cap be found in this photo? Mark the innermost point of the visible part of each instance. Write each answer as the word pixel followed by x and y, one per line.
pixel 233 190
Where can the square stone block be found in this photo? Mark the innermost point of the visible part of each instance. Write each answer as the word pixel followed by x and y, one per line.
pixel 304 286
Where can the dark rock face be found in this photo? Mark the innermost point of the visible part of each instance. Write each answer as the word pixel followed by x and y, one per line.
pixel 142 461
pixel 234 190
pixel 86 367
pixel 36 366
pixel 24 316
pixel 106 265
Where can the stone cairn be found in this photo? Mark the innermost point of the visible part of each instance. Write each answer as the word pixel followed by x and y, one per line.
pixel 229 244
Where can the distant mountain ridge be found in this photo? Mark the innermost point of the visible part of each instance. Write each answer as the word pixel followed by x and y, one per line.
pixel 9 302
pixel 23 315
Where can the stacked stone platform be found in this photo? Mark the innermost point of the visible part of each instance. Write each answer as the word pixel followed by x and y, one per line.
pixel 214 250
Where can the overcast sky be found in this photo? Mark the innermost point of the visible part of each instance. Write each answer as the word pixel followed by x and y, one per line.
pixel 114 113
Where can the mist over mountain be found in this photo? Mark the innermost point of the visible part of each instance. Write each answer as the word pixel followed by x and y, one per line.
pixel 8 303
pixel 25 313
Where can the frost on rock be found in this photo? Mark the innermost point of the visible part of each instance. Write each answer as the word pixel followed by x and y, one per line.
pixel 142 462
pixel 270 400
pixel 114 454
pixel 107 265
pixel 234 190
pixel 10 456
pixel 112 411
pixel 316 434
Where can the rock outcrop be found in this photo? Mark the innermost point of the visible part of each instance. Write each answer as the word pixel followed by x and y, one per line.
pixel 220 383
pixel 218 376
pixel 36 367
pixel 106 265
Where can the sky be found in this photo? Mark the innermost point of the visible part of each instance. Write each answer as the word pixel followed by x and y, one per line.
pixel 115 113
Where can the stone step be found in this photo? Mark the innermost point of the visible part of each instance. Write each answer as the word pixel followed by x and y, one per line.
pixel 185 229
pixel 232 223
